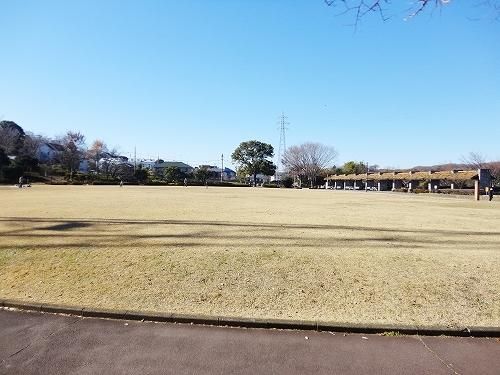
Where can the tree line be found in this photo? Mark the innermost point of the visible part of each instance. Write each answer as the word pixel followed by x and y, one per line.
pixel 20 154
pixel 306 164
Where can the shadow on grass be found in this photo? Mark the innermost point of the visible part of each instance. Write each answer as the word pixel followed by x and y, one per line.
pixel 93 221
pixel 67 226
pixel 39 233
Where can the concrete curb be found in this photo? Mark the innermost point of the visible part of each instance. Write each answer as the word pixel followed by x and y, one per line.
pixel 250 323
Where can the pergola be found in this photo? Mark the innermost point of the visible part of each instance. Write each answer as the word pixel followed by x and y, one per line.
pixel 384 181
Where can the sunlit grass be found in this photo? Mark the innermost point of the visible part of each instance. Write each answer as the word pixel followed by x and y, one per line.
pixel 331 256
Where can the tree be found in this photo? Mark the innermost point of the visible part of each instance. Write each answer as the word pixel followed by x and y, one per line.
pixel 95 153
pixel 495 170
pixel 124 171
pixel 4 161
pixel 309 160
pixel 141 175
pixel 31 145
pixel 202 174
pixel 173 174
pixel 352 167
pixel 361 8
pixel 474 160
pixel 109 162
pixel 11 137
pixel 252 157
pixel 27 163
pixel 287 182
pixel 73 143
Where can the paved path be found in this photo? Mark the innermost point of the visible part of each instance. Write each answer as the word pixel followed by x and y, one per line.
pixel 35 343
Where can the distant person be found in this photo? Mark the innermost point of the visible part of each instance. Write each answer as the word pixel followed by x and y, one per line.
pixel 185 182
pixel 121 183
pixel 490 193
pixel 20 182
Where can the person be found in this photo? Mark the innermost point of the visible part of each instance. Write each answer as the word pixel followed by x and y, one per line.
pixel 20 182
pixel 490 193
pixel 121 183
pixel 185 182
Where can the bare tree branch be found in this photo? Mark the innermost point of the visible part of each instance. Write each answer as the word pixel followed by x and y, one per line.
pixel 9 139
pixel 308 159
pixel 361 8
pixel 474 160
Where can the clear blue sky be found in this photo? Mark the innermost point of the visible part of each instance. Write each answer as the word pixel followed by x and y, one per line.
pixel 190 79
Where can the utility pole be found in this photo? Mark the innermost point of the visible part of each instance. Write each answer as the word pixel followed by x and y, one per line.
pixel 282 147
pixel 367 170
pixel 222 168
pixel 135 158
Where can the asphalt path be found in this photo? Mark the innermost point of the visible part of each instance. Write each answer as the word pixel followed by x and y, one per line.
pixel 37 343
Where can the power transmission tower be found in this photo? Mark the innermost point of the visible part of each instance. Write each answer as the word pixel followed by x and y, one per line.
pixel 283 122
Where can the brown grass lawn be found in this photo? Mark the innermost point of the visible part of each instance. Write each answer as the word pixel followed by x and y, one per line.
pixel 347 257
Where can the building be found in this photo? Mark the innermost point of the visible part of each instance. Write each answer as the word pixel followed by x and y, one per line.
pixel 183 167
pixel 49 152
pixel 229 174
pixel 147 164
pixel 411 180
pixel 84 166
pixel 109 159
pixel 215 172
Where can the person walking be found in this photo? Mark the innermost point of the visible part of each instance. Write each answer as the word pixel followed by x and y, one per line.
pixel 20 182
pixel 490 193
pixel 185 182
pixel 121 183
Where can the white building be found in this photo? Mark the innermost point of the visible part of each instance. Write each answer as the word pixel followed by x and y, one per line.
pixel 146 164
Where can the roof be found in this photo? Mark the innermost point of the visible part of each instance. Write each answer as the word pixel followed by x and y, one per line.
pixel 55 146
pixel 177 164
pixel 408 176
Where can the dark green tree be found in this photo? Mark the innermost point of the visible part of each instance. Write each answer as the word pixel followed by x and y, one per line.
pixel 287 182
pixel 352 167
pixel 141 175
pixel 173 174
pixel 202 174
pixel 11 137
pixel 27 163
pixel 253 158
pixel 4 161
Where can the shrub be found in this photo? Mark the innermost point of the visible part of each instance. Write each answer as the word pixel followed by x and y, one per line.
pixel 421 191
pixel 287 182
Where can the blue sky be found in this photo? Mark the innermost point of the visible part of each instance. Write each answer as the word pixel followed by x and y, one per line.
pixel 189 80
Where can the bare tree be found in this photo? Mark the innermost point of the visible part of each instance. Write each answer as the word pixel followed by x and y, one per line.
pixel 361 8
pixel 309 160
pixel 95 153
pixel 474 160
pixel 9 139
pixel 110 162
pixel 73 143
pixel 495 170
pixel 32 144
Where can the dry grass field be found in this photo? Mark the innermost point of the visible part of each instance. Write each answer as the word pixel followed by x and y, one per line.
pixel 351 257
